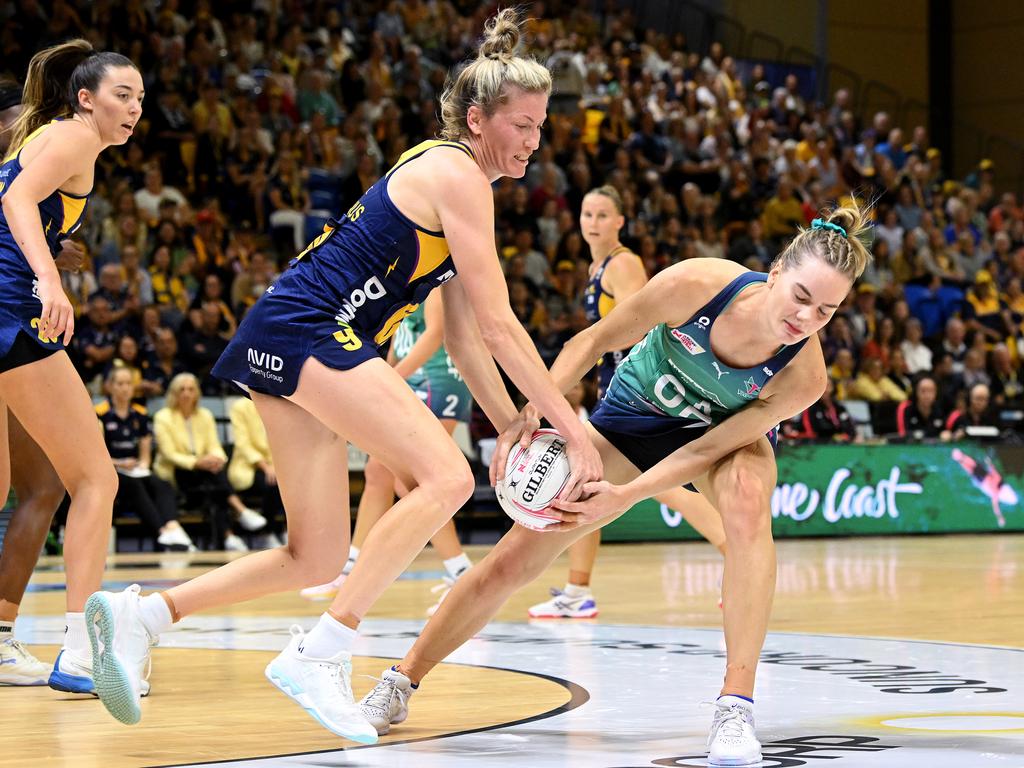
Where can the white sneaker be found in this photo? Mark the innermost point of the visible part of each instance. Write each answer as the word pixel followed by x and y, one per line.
pixel 322 687
pixel 233 543
pixel 444 588
pixel 251 520
pixel 19 667
pixel 72 674
pixel 120 651
pixel 176 538
pixel 330 589
pixel 732 743
pixel 387 703
pixel 564 606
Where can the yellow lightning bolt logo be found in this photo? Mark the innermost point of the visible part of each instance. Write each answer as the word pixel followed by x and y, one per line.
pixel 48 225
pixel 391 267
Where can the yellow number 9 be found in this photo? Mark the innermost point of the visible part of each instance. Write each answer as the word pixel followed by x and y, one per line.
pixel 35 324
pixel 347 338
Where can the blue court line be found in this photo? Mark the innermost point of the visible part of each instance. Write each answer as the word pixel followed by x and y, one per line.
pixel 116 586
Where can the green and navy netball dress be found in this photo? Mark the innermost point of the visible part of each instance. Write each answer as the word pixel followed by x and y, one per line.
pixel 61 214
pixel 438 383
pixel 671 388
pixel 344 295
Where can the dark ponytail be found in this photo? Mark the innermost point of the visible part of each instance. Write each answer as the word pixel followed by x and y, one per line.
pixel 55 76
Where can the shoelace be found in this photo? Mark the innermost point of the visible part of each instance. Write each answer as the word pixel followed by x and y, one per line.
pixel 338 679
pixel 729 720
pixel 444 588
pixel 382 695
pixel 21 651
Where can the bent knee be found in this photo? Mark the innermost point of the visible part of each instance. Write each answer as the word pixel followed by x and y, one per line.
pixel 46 497
pixel 316 566
pixel 103 482
pixel 745 503
pixel 453 485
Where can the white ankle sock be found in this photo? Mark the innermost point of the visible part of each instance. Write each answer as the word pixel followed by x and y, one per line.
pixel 456 566
pixel 76 637
pixel 327 639
pixel 353 555
pixel 6 629
pixel 155 614
pixel 574 590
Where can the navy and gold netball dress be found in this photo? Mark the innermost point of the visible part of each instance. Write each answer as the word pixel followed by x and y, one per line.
pixel 61 214
pixel 598 302
pixel 344 295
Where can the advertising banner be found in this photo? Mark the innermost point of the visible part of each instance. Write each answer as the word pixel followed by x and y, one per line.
pixel 843 490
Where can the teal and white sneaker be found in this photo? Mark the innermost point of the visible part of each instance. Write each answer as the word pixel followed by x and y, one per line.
pixel 387 703
pixel 322 687
pixel 120 651
pixel 72 674
pixel 562 605
pixel 19 667
pixel 732 743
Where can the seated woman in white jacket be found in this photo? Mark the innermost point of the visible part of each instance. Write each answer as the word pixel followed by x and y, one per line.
pixel 190 456
pixel 252 467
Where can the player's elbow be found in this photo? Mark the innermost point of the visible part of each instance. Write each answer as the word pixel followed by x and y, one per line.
pixel 497 329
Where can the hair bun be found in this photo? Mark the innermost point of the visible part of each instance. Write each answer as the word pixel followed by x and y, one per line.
pixel 501 35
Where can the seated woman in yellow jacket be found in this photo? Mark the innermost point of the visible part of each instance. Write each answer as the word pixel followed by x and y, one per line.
pixel 252 467
pixel 873 385
pixel 190 456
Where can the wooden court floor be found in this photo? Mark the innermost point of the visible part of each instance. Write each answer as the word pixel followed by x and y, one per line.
pixel 961 589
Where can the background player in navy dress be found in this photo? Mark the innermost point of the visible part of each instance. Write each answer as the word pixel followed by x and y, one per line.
pixel 309 353
pixel 95 100
pixel 616 273
pixel 727 356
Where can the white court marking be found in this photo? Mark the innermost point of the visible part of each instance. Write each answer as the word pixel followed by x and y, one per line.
pixel 853 702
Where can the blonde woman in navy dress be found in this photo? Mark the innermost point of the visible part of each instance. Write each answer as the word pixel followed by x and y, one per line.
pixel 76 103
pixel 308 352
pixel 616 273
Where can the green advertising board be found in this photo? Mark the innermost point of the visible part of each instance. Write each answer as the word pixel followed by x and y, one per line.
pixel 843 490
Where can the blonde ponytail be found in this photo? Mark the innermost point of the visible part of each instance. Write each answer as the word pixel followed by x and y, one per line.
pixel 840 238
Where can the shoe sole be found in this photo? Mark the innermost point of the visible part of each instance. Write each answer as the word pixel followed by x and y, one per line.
pixel 65 683
pixel 25 682
pixel 284 684
pixel 320 596
pixel 737 763
pixel 109 677
pixel 562 615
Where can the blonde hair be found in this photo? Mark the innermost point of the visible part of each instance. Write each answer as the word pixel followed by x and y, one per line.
pixel 174 388
pixel 55 76
pixel 484 81
pixel 840 238
pixel 611 193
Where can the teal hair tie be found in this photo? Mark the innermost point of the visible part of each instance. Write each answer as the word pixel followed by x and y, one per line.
pixel 822 224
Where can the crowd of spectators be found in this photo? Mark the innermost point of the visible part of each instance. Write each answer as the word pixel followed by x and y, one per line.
pixel 262 119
